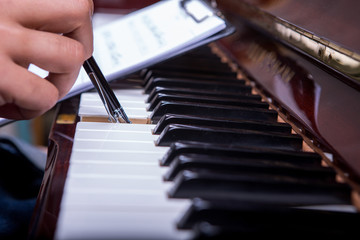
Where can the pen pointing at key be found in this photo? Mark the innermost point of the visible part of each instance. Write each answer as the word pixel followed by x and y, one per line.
pixel 114 109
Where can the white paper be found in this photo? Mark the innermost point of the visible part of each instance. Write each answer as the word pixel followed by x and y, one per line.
pixel 146 37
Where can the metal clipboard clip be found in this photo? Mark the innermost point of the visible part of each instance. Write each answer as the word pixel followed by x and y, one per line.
pixel 200 16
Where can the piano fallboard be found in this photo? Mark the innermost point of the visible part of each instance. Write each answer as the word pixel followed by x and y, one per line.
pixel 320 99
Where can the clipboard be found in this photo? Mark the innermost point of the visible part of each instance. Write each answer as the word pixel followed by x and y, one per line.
pixel 190 8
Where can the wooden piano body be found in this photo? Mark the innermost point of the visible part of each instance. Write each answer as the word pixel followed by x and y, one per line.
pixel 312 83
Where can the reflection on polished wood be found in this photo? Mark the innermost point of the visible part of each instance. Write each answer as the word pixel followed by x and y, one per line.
pixel 322 101
pixel 338 56
pixel 60 144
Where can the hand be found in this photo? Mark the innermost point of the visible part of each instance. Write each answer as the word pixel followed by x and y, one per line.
pixel 53 35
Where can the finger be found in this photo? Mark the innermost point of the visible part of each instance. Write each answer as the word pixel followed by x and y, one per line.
pixel 63 82
pixel 30 93
pixel 49 51
pixel 12 111
pixel 68 17
pixel 84 34
pixel 48 15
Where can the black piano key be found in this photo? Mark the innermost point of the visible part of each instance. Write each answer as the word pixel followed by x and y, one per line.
pixel 206 231
pixel 212 111
pixel 195 162
pixel 198 57
pixel 200 92
pixel 221 219
pixel 235 137
pixel 193 65
pixel 293 157
pixel 202 99
pixel 223 123
pixel 203 52
pixel 155 73
pixel 188 63
pixel 258 188
pixel 221 86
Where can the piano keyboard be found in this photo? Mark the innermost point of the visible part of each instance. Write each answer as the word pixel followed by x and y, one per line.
pixel 215 161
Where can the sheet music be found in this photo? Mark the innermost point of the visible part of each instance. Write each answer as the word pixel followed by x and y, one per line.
pixel 146 37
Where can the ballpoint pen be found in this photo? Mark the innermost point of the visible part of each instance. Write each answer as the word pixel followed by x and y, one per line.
pixel 114 109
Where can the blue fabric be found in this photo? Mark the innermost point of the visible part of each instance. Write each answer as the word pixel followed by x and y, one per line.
pixel 20 180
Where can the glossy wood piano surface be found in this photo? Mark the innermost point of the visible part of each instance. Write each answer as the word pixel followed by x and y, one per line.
pixel 322 99
pixel 311 93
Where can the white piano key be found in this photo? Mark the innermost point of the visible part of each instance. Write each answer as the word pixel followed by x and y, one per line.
pixel 101 112
pixel 135 199
pixel 153 163
pixel 124 103
pixel 119 183
pixel 126 94
pixel 132 100
pixel 115 135
pixel 118 168
pixel 120 225
pixel 118 144
pixel 96 126
pixel 116 155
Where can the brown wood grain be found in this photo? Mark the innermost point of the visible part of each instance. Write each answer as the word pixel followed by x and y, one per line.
pixel 47 208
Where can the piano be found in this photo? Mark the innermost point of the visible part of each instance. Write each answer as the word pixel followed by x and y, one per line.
pixel 256 134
